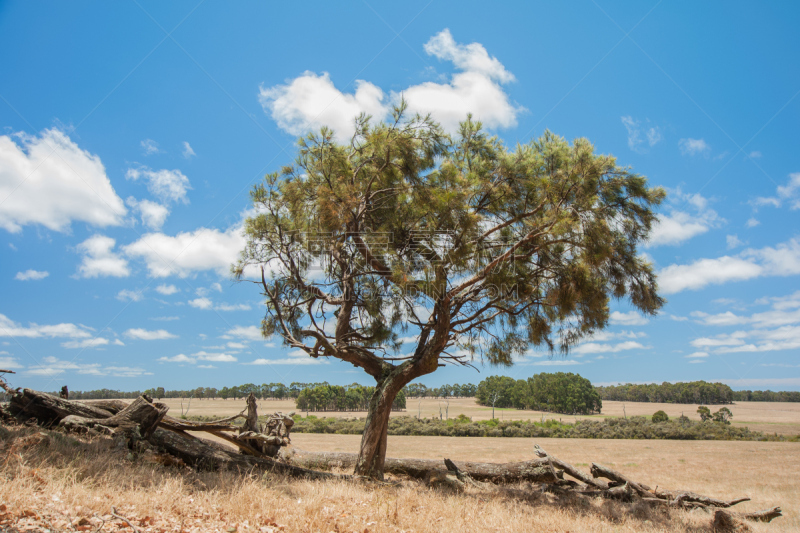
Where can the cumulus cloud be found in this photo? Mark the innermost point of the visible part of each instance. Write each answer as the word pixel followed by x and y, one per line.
pixel 9 328
pixel 166 290
pixel 639 135
pixel 127 295
pixel 697 355
pixel 48 180
pixel 187 253
pixel 149 146
pixel 310 100
pixel 188 152
pixel 99 258
pixel 86 343
pixel 689 215
pixel 595 347
pixel 30 275
pixel 10 363
pixel 252 333
pixel 201 303
pixel 693 146
pixel 631 318
pixel 789 193
pixel 288 361
pixel 733 241
pixel 153 214
pixel 232 307
pixel 166 185
pixel 199 356
pixel 147 335
pixel 54 366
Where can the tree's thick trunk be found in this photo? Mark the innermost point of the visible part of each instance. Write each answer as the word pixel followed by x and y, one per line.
pixel 372 453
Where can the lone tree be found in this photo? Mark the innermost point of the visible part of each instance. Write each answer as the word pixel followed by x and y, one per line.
pixel 480 251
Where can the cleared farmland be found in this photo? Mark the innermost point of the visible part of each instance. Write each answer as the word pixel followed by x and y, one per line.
pixel 782 418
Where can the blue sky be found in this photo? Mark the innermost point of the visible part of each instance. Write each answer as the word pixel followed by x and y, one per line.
pixel 131 134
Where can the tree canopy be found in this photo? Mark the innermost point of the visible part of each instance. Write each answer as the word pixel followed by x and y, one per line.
pixel 472 250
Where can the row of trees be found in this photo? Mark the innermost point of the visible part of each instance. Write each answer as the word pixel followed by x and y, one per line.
pixel 558 392
pixel 689 392
pixel 418 390
pixel 355 397
pixel 694 392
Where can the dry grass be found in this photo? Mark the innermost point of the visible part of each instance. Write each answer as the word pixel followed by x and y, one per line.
pixel 63 481
pixel 770 417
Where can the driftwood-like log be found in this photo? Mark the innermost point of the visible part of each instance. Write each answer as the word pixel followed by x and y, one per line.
pixel 687 496
pixel 571 470
pixel 112 406
pixel 205 454
pixel 50 409
pixel 767 515
pixel 602 471
pixel 140 414
pixel 536 470
pixel 176 424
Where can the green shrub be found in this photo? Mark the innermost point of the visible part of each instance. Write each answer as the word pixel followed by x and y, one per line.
pixel 660 416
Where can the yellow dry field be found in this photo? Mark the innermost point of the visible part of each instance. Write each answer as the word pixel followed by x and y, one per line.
pixel 55 484
pixel 782 418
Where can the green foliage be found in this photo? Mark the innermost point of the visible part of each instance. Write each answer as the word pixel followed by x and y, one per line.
pixel 691 392
pixel 723 416
pixel 766 396
pixel 355 397
pixel 704 412
pixel 557 392
pixel 637 427
pixel 659 416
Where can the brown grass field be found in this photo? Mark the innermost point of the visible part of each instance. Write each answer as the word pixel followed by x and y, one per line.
pixel 51 483
pixel 782 418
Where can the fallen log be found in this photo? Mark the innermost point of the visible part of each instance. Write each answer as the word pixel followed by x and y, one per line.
pixel 571 470
pixel 687 496
pixel 50 409
pixel 536 470
pixel 602 471
pixel 208 455
pixel 141 414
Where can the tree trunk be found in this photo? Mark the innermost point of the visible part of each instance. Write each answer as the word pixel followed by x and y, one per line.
pixel 372 454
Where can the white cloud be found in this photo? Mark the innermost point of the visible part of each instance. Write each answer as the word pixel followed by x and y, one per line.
pixel 785 193
pixel 188 152
pixel 289 361
pixel 150 147
pixel 689 216
pixel 755 154
pixel 232 307
pixel 594 347
pixel 312 100
pixel 9 363
pixel 693 146
pixel 9 328
pixel 147 335
pixel 166 290
pixel 733 241
pixel 637 135
pixel 696 275
pixel 189 252
pixel 153 214
pixel 167 185
pixel 631 318
pixel 237 345
pixel 128 295
pixel 201 303
pixel 252 333
pixel 99 259
pixel 54 366
pixel 697 355
pixel 29 275
pixel 752 222
pixel 86 343
pixel 199 356
pixel 722 319
pixel 49 180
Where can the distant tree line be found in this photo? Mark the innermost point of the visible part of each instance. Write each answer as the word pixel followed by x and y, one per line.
pixel 765 396
pixel 355 397
pixel 689 392
pixel 558 392
pixel 418 390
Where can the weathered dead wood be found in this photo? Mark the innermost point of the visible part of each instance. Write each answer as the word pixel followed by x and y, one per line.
pixel 50 409
pixel 140 414
pixel 687 496
pixel 536 470
pixel 602 471
pixel 205 454
pixel 176 424
pixel 112 406
pixel 571 470
pixel 767 515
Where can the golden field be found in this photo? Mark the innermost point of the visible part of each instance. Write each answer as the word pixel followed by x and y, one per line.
pixel 782 418
pixel 52 483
